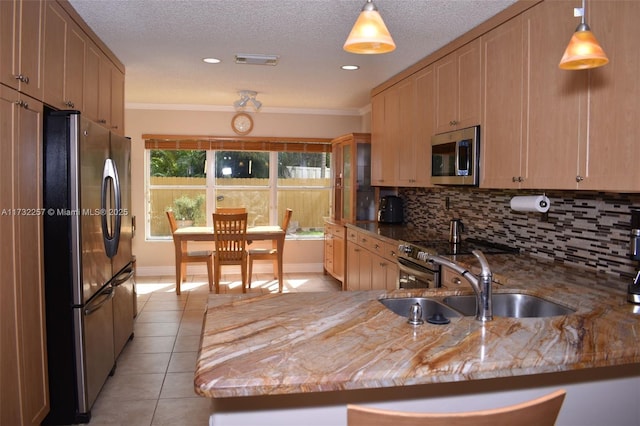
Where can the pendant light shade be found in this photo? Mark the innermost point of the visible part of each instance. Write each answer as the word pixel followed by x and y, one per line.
pixel 369 34
pixel 583 51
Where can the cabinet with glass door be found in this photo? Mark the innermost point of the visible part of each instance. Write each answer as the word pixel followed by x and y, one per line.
pixel 354 197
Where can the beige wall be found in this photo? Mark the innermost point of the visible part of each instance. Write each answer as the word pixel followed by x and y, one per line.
pixel 156 257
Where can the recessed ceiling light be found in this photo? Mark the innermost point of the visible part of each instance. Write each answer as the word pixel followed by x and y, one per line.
pixel 212 60
pixel 350 67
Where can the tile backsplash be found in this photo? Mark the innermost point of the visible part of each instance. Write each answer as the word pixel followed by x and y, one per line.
pixel 589 229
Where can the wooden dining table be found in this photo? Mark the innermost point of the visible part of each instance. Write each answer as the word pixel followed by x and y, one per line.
pixel 205 233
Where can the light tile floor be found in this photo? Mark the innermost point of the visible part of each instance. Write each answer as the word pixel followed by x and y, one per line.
pixel 153 381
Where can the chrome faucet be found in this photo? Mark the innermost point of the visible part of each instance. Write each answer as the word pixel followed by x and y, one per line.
pixel 481 284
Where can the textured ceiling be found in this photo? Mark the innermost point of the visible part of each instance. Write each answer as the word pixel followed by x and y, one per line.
pixel 162 43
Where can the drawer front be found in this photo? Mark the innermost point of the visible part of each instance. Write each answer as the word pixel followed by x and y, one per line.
pixel 390 251
pixel 353 236
pixel 377 246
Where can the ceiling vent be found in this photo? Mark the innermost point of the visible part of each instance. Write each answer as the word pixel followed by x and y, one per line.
pixel 256 59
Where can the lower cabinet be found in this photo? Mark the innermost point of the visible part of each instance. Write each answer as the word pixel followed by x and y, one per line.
pixel 334 251
pixel 371 262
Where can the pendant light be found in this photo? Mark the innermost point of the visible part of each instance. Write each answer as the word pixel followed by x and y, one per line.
pixel 583 51
pixel 369 34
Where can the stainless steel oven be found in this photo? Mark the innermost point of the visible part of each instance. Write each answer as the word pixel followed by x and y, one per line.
pixel 416 272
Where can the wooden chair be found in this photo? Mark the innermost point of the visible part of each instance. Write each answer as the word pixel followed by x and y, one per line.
pixel 542 411
pixel 230 236
pixel 205 256
pixel 269 253
pixel 230 210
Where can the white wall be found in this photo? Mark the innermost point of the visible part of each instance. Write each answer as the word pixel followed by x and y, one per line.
pixel 157 257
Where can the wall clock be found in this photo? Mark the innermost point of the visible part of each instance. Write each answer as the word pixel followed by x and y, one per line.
pixel 242 123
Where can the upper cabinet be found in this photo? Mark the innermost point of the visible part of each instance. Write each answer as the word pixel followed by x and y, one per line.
pixel 609 160
pixel 458 88
pixel 48 53
pixel 384 131
pixel 402 126
pixel 526 143
pixel 501 141
pixel 21 54
pixel 64 51
pixel 541 127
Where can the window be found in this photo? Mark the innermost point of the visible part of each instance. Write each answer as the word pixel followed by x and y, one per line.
pixel 194 182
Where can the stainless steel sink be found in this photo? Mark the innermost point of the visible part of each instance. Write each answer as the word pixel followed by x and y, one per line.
pixel 432 310
pixel 514 305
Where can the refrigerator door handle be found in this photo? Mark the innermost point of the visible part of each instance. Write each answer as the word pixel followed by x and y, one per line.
pixel 111 239
pixel 107 295
pixel 123 277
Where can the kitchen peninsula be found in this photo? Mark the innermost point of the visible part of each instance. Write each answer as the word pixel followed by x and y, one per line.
pixel 280 358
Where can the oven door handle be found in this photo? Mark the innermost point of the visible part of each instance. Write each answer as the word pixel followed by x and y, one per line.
pixel 416 270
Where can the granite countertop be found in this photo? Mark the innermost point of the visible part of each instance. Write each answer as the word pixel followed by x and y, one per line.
pixel 309 342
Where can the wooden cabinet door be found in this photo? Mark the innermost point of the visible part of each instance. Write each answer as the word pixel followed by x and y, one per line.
pixel 458 88
pixel 10 414
pixel 30 47
pixel 117 102
pixel 556 102
pixel 377 137
pixel 8 32
pixel 384 133
pixel 406 133
pixel 91 82
pixel 21 55
pixel 384 273
pixel 503 99
pixel 610 160
pixel 424 126
pixel 24 362
pixel 29 274
pixel 352 274
pixel 55 46
pixel 104 92
pixel 446 70
pixel 468 102
pixel 74 67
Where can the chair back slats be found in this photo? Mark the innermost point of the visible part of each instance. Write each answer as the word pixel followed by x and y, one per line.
pixel 230 236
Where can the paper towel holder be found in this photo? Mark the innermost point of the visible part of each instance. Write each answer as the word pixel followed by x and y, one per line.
pixel 532 204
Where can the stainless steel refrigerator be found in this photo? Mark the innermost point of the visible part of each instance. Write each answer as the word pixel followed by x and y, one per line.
pixel 89 285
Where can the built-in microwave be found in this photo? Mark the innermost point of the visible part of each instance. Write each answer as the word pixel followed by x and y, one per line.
pixel 455 157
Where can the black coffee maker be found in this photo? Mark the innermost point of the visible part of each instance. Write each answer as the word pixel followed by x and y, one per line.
pixel 390 209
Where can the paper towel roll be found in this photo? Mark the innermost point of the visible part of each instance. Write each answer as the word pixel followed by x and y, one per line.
pixel 533 203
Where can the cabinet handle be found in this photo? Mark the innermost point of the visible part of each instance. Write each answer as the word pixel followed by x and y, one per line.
pixel 70 104
pixel 114 127
pixel 376 246
pixel 579 178
pixel 453 122
pixel 22 78
pixel 22 104
pixel 456 280
pixel 517 179
pixel 102 121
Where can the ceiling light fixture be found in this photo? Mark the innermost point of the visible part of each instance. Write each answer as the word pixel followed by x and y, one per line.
pixel 369 34
pixel 583 51
pixel 246 97
pixel 350 67
pixel 212 60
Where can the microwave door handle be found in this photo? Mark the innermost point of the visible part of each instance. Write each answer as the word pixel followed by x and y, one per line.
pixel 460 146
